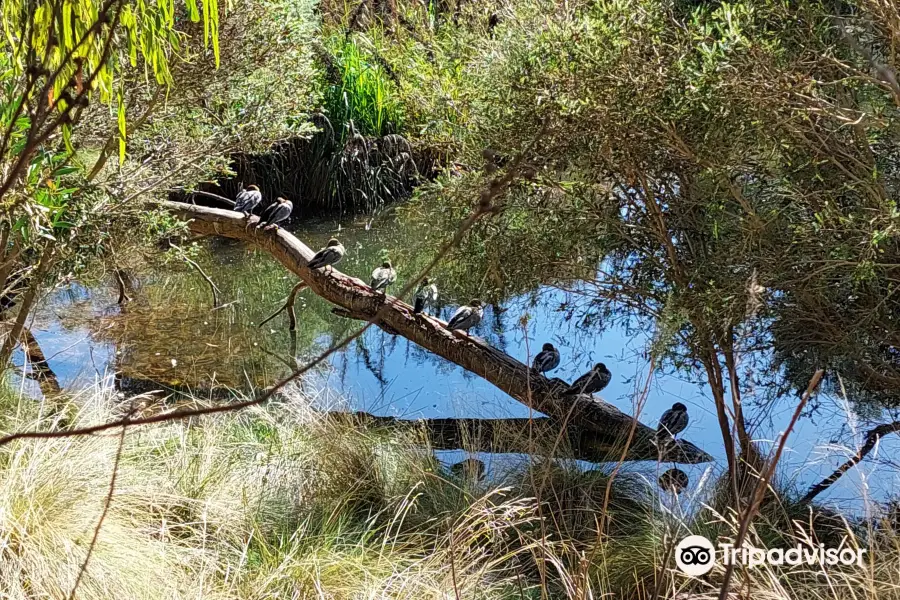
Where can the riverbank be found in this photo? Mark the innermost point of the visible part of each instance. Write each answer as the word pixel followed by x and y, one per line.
pixel 278 502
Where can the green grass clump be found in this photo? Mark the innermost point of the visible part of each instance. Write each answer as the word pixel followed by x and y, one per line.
pixel 358 90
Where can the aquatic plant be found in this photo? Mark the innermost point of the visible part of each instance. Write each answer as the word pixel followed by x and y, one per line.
pixel 359 96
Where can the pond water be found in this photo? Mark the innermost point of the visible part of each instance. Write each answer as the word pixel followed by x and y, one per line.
pixel 169 337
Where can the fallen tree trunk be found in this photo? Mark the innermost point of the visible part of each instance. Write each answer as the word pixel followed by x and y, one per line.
pixel 601 422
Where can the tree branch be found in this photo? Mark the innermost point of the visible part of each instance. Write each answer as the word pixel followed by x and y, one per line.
pixel 289 305
pixel 199 269
pixel 107 503
pixel 43 374
pixel 872 438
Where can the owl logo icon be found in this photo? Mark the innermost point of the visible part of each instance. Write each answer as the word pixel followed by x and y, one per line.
pixel 695 555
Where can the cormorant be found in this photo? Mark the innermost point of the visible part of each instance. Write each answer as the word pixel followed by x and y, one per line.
pixel 672 422
pixel 275 213
pixel 674 480
pixel 546 360
pixel 593 381
pixel 383 276
pixel 466 317
pixel 425 295
pixel 247 200
pixel 327 256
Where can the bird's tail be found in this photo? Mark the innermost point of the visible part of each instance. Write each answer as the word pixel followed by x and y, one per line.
pixel 420 305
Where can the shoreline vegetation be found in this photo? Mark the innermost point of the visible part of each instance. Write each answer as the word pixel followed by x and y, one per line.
pixel 279 502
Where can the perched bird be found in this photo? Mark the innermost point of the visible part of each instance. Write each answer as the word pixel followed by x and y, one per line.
pixel 383 276
pixel 275 213
pixel 466 317
pixel 672 422
pixel 493 21
pixel 674 480
pixel 327 256
pixel 470 468
pixel 247 200
pixel 593 381
pixel 546 360
pixel 425 295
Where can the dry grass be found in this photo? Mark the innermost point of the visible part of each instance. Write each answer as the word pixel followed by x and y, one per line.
pixel 281 503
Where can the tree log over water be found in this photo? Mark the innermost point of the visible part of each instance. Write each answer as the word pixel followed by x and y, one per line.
pixel 590 420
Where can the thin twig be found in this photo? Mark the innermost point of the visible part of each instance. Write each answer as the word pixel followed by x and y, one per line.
pixel 213 196
pixel 199 269
pixel 763 483
pixel 106 505
pixel 120 283
pixel 289 305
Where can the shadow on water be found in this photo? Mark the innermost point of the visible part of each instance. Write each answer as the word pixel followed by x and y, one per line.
pixel 170 338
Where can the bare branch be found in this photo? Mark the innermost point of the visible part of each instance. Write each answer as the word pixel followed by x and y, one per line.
pixel 872 438
pixel 199 269
pixel 289 306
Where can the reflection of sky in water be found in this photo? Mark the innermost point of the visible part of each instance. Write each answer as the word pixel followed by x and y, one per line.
pixel 413 388
pixel 389 375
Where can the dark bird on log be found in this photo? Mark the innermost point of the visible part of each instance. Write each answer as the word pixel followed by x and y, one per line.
pixel 591 382
pixel 426 295
pixel 672 422
pixel 546 360
pixel 275 213
pixel 247 200
pixel 327 256
pixel 471 468
pixel 467 316
pixel 383 276
pixel 674 480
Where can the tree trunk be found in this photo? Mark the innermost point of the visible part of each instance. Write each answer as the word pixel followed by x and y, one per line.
pixel 603 423
pixel 40 368
pixel 25 307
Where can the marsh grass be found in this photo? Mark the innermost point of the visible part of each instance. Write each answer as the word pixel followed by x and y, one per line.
pixel 282 502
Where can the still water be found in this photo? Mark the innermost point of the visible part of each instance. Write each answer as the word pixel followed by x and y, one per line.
pixel 170 337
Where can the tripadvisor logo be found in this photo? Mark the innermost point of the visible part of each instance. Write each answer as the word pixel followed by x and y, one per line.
pixel 695 555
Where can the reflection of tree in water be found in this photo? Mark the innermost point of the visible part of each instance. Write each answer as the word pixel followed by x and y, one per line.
pixel 366 357
pixel 171 317
pixel 184 346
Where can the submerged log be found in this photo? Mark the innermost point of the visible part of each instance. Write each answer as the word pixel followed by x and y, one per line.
pixel 592 420
pixel 539 436
pixel 40 369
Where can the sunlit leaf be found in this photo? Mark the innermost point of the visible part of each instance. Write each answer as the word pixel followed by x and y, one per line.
pixel 121 120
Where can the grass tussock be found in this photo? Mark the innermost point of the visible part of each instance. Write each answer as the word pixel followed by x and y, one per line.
pixel 279 502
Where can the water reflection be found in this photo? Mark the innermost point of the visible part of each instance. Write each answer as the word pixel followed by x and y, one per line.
pixel 170 337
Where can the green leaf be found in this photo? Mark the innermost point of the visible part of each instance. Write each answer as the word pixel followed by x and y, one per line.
pixel 121 130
